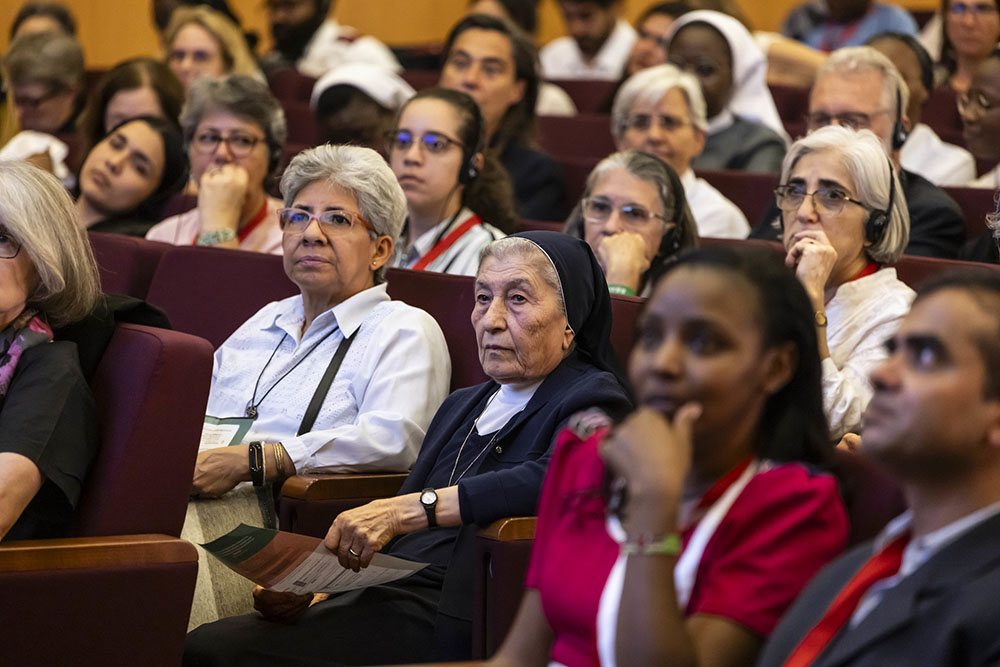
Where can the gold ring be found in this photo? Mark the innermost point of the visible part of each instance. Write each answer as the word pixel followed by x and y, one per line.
pixel 356 555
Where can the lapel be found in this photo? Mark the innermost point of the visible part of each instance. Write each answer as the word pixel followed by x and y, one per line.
pixel 945 573
pixel 555 381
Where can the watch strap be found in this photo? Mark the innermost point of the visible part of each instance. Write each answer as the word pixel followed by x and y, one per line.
pixel 215 237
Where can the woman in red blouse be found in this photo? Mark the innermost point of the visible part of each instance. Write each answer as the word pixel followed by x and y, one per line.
pixel 681 535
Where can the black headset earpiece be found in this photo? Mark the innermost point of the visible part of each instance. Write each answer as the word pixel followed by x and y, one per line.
pixel 469 170
pixel 898 130
pixel 878 220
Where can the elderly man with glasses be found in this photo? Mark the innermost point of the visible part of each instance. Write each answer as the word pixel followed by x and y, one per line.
pixel 860 88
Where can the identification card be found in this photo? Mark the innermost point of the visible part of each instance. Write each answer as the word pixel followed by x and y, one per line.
pixel 223 431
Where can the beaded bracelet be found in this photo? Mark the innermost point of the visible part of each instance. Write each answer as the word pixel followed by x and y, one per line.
pixel 648 545
pixel 621 289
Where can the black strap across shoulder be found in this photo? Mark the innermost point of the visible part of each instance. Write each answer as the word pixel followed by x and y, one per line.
pixel 324 384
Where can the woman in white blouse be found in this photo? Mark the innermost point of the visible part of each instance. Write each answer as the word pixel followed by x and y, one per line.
pixel 845 222
pixel 344 211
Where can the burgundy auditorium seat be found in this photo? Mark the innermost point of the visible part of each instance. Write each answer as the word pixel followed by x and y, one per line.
pixel 289 84
pixel 583 136
pixel 181 202
pixel 792 101
pixel 975 203
pixel 301 122
pixel 914 270
pixel 209 292
pixel 421 78
pixel 941 113
pixel 752 193
pixel 576 170
pixel 588 96
pixel 126 263
pixel 120 592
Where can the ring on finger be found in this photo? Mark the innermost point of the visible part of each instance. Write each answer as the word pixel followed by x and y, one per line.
pixel 354 553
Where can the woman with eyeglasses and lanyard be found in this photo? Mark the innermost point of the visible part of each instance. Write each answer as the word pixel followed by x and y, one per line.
pixel 845 223
pixel 234 129
pixel 385 364
pixel 635 217
pixel 452 186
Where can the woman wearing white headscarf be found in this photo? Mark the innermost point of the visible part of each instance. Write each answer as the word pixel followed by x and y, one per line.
pixel 744 129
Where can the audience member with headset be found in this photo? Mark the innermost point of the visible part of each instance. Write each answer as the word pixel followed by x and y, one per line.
pixel 845 222
pixel 635 217
pixel 437 151
pixel 859 88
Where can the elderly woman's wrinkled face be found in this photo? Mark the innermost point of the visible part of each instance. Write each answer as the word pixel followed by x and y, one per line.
pixel 195 53
pixel 331 264
pixel 221 138
pixel 604 215
pixel 700 339
pixel 123 169
pixel 520 325
pixel 704 52
pixel 665 129
pixel 17 278
pixel 825 171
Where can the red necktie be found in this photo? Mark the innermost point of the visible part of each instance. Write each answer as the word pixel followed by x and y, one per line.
pixel 880 566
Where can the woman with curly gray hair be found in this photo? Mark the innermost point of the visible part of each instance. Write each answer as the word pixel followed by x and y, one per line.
pixel 342 217
pixel 48 421
pixel 234 131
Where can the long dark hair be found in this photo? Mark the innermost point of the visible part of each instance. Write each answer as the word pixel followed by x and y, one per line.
pixel 130 75
pixel 947 58
pixel 793 425
pixel 175 168
pixel 489 194
pixel 518 124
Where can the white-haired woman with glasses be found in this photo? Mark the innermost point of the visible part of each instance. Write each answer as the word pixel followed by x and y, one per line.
pixel 634 215
pixel 452 186
pixel 845 223
pixel 48 420
pixel 343 214
pixel 234 129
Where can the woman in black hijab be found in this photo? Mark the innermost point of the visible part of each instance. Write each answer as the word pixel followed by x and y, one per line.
pixel 542 316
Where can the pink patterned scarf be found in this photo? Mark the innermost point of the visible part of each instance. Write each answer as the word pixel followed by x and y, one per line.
pixel 27 330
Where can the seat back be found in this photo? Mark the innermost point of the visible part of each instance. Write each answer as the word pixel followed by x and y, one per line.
pixel 209 292
pixel 914 270
pixel 126 263
pixel 871 496
pixel 301 122
pixel 151 388
pixel 289 84
pixel 976 204
pixel 752 193
pixel 449 299
pixel 584 135
pixel 576 170
pixel 792 102
pixel 625 311
pixel 587 94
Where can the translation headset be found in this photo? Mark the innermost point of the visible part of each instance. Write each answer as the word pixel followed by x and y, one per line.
pixel 469 170
pixel 878 220
pixel 898 130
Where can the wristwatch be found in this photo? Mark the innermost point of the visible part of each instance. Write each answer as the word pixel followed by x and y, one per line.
pixel 820 318
pixel 429 499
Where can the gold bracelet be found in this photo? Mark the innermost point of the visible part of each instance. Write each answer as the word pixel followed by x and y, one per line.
pixel 279 459
pixel 648 545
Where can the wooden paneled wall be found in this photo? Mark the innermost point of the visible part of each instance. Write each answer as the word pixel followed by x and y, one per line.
pixel 112 30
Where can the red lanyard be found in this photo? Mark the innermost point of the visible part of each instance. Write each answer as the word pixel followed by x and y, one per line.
pixel 253 224
pixel 441 246
pixel 846 33
pixel 718 490
pixel 870 268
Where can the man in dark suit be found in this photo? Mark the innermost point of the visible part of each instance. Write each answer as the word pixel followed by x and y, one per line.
pixel 860 88
pixel 927 590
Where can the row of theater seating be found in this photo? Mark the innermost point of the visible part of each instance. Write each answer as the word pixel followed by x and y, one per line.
pixel 122 586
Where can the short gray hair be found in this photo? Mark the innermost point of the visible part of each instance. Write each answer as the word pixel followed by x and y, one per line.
pixel 529 252
pixel 648 86
pixel 37 212
pixel 50 58
pixel 854 60
pixel 242 96
pixel 362 172
pixel 862 155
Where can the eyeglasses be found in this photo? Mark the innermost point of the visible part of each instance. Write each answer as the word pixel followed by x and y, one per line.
pixel 825 200
pixel 973 99
pixel 333 223
pixel 432 142
pixel 974 9
pixel 9 247
pixel 199 56
pixel 855 120
pixel 33 103
pixel 239 144
pixel 644 121
pixel 597 211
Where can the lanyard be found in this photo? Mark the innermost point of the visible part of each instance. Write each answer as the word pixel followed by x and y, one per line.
pixel 251 410
pixel 442 245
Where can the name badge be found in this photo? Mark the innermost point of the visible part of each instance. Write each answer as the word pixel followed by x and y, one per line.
pixel 223 431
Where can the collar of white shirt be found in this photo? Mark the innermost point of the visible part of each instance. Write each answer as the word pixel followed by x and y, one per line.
pixel 348 314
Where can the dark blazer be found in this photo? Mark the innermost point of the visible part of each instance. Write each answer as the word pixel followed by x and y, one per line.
pixel 508 480
pixel 945 613
pixel 937 228
pixel 538 181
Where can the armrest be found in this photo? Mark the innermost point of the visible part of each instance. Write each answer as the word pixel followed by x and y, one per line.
pixel 335 486
pixel 509 529
pixel 81 552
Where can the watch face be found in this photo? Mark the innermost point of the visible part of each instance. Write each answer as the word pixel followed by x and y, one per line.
pixel 428 497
